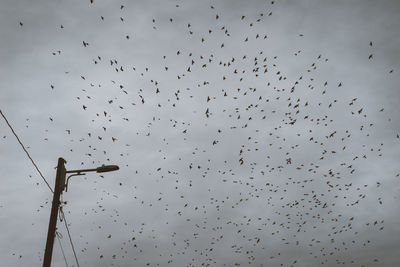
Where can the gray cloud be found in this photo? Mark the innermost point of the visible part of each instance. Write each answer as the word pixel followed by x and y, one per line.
pixel 230 188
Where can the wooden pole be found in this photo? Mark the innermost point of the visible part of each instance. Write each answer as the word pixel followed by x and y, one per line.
pixel 58 188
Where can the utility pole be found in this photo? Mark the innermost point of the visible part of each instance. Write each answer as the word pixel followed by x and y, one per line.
pixel 58 188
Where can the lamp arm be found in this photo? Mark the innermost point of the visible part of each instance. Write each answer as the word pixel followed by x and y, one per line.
pixel 75 174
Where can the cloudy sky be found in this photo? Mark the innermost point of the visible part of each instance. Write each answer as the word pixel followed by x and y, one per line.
pixel 248 133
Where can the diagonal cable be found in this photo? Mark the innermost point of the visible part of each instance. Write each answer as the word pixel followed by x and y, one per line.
pixel 62 250
pixel 23 147
pixel 69 235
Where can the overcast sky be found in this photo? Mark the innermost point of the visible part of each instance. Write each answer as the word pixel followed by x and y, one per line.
pixel 251 133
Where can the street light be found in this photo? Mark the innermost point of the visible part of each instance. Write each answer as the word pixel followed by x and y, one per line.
pixel 58 189
pixel 103 168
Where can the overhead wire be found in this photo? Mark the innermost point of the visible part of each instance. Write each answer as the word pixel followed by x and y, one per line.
pixel 27 153
pixel 62 250
pixel 69 235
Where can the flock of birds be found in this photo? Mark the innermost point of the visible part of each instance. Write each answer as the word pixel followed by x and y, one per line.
pixel 234 159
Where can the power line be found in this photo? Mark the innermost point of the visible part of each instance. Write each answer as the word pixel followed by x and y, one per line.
pixel 69 235
pixel 62 250
pixel 23 147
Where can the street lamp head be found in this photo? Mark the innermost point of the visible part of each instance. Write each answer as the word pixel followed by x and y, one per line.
pixel 107 168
